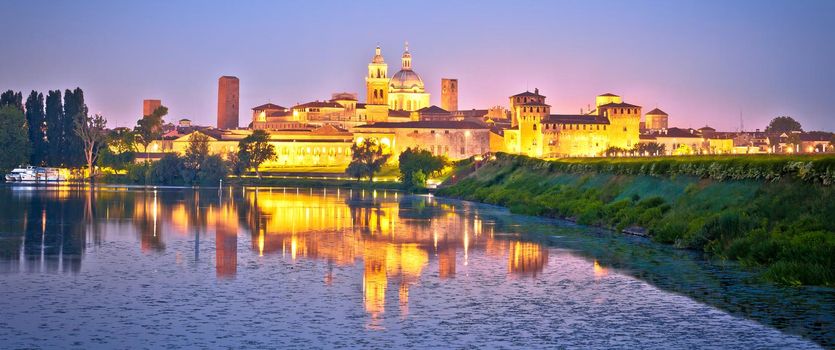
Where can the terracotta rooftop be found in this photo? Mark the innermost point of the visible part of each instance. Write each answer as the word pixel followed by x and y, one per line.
pixel 425 124
pixel 657 111
pixel 319 104
pixel 398 113
pixel 609 94
pixel 677 132
pixel 575 119
pixel 622 104
pixel 267 106
pixel 433 109
pixel 527 94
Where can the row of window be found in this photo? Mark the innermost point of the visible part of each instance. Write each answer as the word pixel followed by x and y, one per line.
pixel 535 109
pixel 576 126
pixel 313 150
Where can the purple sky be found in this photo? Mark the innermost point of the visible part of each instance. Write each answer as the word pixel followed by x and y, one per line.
pixel 703 62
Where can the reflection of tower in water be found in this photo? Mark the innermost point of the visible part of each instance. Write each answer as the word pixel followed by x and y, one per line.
pixel 374 281
pixel 525 258
pixel 446 262
pixel 225 221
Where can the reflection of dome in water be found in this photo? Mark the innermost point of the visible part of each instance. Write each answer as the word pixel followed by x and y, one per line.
pixel 406 79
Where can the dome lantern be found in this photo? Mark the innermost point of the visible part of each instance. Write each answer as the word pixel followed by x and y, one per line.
pixel 407 58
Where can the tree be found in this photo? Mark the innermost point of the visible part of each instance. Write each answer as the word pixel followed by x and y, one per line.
pixel 355 170
pixel 54 130
pixel 212 170
pixel 650 149
pixel 793 140
pixel 236 166
pixel 75 111
pixel 166 171
pixel 14 139
pixel 11 98
pixel 36 122
pixel 417 165
pixel 92 133
pixel 682 150
pixel 197 150
pixel 367 158
pixel 149 128
pixel 783 124
pixel 614 151
pixel 255 149
pixel 119 150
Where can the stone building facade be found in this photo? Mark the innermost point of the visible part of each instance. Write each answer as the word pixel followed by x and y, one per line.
pixel 452 139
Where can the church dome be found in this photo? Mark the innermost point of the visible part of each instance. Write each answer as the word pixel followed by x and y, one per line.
pixel 406 79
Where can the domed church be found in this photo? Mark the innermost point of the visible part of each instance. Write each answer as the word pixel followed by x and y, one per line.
pixel 404 91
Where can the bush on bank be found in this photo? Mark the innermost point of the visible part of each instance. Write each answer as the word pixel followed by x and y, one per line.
pixel 766 212
pixel 172 170
pixel 807 168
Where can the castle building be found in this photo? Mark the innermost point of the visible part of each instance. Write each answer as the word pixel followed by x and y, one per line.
pixel 228 102
pixel 449 94
pixel 536 132
pixel 406 90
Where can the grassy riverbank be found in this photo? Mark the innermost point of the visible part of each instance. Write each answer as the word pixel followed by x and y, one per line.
pixel 770 212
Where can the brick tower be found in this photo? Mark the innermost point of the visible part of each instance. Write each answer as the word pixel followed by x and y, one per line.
pixel 449 94
pixel 149 106
pixel 227 102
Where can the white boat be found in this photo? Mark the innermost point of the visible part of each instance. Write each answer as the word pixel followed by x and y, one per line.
pixel 31 173
pixel 22 174
pixel 14 175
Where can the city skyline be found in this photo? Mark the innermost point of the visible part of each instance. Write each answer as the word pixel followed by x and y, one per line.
pixel 700 62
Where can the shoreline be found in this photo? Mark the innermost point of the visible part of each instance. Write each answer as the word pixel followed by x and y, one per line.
pixel 763 215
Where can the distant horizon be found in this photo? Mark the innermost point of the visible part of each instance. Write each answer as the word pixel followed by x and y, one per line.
pixel 705 63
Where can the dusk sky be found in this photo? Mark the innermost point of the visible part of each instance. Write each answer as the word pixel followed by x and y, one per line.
pixel 703 62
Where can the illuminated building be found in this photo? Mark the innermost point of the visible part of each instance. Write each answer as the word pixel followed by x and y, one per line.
pixel 453 139
pixel 306 146
pixel 406 91
pixel 656 119
pixel 535 132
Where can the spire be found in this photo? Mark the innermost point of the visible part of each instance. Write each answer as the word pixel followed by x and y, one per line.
pixel 378 55
pixel 407 58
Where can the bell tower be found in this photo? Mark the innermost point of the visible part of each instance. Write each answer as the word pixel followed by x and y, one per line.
pixel 376 82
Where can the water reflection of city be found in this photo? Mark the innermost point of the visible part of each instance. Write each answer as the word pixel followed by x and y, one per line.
pixel 394 237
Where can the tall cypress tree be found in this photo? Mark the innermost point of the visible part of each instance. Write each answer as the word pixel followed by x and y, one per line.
pixel 54 128
pixel 74 109
pixel 11 98
pixel 35 119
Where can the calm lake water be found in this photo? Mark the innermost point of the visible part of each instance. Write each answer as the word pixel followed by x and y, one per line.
pixel 243 267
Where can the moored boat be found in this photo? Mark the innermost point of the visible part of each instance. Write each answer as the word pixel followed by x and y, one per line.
pixel 31 173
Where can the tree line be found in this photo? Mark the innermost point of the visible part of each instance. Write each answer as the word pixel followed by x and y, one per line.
pixel 52 130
